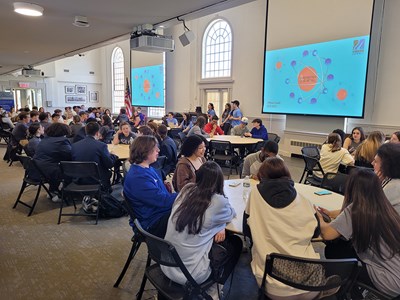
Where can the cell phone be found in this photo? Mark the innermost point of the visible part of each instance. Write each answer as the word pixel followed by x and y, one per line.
pixel 322 192
pixel 326 218
pixel 234 184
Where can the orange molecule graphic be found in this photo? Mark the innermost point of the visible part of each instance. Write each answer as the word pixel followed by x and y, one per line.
pixel 158 95
pixel 278 65
pixel 341 94
pixel 307 79
pixel 146 86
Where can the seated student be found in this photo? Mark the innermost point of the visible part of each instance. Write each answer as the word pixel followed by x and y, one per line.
pixel 276 214
pixel 168 149
pixel 141 116
pixel 124 135
pixel 387 167
pixel 341 133
pixel 90 149
pixel 34 114
pixel 55 118
pixel 53 148
pixel 354 140
pixel 241 129
pixel 76 125
pixel 122 117
pixel 395 137
pixel 253 161
pixel 212 127
pixel 171 121
pixel 198 128
pixel 365 153
pixel 372 225
pixel 192 151
pixel 332 155
pixel 186 123
pixel 198 219
pixel 145 190
pixel 35 131
pixel 258 131
pixel 20 130
pixel 44 120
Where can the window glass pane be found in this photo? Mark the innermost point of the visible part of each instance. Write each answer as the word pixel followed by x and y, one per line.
pixel 118 84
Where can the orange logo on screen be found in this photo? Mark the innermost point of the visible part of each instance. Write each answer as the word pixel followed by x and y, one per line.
pixel 307 79
pixel 341 94
pixel 146 86
pixel 158 95
pixel 278 65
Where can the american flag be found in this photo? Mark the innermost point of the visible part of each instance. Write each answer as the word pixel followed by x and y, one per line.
pixel 127 99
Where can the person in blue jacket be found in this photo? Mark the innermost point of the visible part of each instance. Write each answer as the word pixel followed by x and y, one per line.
pixel 145 190
pixel 258 131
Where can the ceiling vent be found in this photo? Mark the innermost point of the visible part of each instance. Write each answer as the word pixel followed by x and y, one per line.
pixel 81 21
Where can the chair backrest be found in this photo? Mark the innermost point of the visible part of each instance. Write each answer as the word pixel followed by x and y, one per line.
pixel 160 163
pixel 312 164
pixel 174 132
pixel 164 253
pixel 26 161
pixel 80 170
pixel 258 146
pixel 310 274
pixel 335 182
pixel 274 137
pixel 109 136
pixel 220 146
pixel 182 136
pixel 311 151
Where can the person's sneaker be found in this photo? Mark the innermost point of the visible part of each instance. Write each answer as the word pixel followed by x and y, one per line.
pixel 56 199
pixel 88 203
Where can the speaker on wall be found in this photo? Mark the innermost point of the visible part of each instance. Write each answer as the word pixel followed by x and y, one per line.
pixel 186 38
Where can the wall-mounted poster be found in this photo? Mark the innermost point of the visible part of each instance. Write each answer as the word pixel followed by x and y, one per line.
pixel 70 89
pixel 75 99
pixel 94 97
pixel 80 89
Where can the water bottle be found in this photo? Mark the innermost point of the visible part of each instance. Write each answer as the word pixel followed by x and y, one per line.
pixel 131 140
pixel 246 188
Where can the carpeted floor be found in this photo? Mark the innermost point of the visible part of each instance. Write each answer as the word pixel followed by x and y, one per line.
pixel 76 259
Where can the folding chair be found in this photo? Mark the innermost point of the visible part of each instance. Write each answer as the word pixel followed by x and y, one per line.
pixel 163 253
pixel 137 240
pixel 222 151
pixel 82 178
pixel 317 275
pixel 28 165
pixel 311 164
pixel 335 182
pixel 311 151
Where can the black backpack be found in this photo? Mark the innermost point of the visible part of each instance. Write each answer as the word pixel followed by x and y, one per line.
pixel 111 207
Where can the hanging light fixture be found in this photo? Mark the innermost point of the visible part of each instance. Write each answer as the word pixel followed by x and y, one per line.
pixel 28 9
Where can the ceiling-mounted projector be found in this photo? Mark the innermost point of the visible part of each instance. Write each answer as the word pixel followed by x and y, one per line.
pixel 31 72
pixel 152 43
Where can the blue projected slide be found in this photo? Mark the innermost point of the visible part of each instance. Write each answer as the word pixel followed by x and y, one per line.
pixel 148 86
pixel 317 79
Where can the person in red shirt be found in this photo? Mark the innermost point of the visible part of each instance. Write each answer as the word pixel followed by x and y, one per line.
pixel 212 127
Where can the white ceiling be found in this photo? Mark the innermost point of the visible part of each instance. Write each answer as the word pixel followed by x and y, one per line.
pixel 35 40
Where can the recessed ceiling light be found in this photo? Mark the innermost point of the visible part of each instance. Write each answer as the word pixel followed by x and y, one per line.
pixel 28 9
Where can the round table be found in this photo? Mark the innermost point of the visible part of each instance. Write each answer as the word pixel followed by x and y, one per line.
pixel 235 195
pixel 120 150
pixel 235 140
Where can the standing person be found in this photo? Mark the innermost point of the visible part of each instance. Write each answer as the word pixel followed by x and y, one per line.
pixel 198 218
pixel 354 140
pixel 124 135
pixel 192 151
pixel 90 149
pixel 275 213
pixel 212 127
pixel 387 166
pixel 236 114
pixel 258 131
pixel 198 128
pixel 144 189
pixel 372 224
pixel 225 123
pixel 210 111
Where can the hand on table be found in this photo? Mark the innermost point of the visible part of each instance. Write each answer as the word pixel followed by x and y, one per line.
pixel 247 134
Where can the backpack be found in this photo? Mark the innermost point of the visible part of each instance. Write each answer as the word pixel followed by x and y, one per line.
pixel 111 207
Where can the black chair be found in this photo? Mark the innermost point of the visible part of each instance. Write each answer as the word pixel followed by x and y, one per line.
pixel 317 275
pixel 163 253
pixel 109 136
pixel 137 240
pixel 182 136
pixel 371 293
pixel 29 165
pixel 311 151
pixel 274 137
pixel 174 133
pixel 258 146
pixel 335 182
pixel 311 164
pixel 5 132
pixel 80 178
pixel 221 152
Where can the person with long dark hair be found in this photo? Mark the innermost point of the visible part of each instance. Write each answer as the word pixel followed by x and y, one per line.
pixel 373 226
pixel 198 219
pixel 198 128
pixel 354 140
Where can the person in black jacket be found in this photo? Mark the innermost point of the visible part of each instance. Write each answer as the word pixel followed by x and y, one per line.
pixel 167 148
pixel 90 149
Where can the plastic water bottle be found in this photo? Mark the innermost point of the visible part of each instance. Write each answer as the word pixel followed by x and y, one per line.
pixel 131 140
pixel 246 188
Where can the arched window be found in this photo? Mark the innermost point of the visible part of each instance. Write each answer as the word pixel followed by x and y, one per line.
pixel 217 50
pixel 118 83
